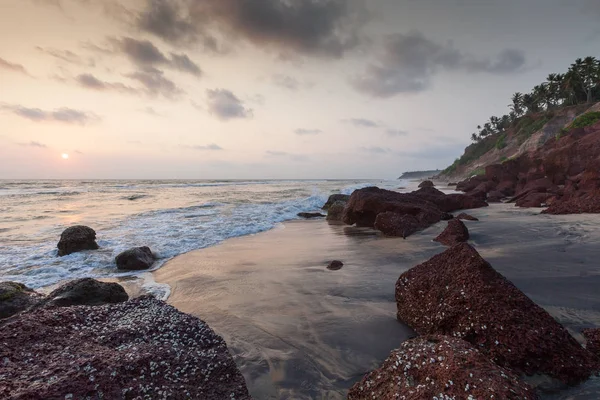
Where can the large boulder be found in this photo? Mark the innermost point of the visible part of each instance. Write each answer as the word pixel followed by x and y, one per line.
pixel 85 291
pixel 427 183
pixel 456 232
pixel 457 293
pixel 439 367
pixel 470 183
pixel 592 338
pixel 579 203
pixel 137 258
pixel 76 238
pixel 142 348
pixel 449 202
pixel 16 297
pixel 336 211
pixel 335 197
pixel 466 217
pixel 394 224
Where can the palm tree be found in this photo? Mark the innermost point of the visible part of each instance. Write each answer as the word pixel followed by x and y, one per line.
pixel 474 137
pixel 542 95
pixel 531 103
pixel 553 87
pixel 517 104
pixel 588 72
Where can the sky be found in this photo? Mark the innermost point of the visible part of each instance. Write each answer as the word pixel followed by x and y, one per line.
pixel 256 89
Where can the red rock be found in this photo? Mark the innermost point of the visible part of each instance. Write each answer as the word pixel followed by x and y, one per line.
pixel 592 338
pixel 541 185
pixel 439 367
pixel 135 349
pixel 471 183
pixel 456 232
pixel 449 202
pixel 507 188
pixel 457 293
pixel 581 203
pixel 532 199
pixel 495 196
pixel 466 217
pixel 426 184
pixel 399 225
pixel 335 265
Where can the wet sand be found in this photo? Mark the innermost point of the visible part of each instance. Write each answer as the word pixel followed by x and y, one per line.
pixel 300 331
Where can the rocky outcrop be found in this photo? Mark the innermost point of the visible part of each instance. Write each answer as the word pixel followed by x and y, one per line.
pixel 77 238
pixel 456 232
pixel 592 338
pixel 426 184
pixel 457 293
pixel 336 211
pixel 335 265
pixel 439 367
pixel 466 217
pixel 335 197
pixel 15 298
pixel 137 258
pixel 421 209
pixel 309 215
pixel 85 291
pixel 134 349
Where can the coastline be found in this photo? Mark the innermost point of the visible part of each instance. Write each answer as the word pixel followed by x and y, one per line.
pixel 298 330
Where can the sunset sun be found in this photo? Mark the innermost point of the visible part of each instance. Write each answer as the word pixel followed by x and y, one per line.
pixel 65 156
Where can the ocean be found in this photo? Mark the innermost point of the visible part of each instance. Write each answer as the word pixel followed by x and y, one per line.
pixel 169 216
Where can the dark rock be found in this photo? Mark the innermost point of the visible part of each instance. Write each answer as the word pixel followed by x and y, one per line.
pixel 592 337
pixel 426 184
pixel 85 291
pixel 15 298
pixel 137 258
pixel 466 217
pixel 579 203
pixel 533 199
pixel 336 211
pixel 335 265
pixel 457 293
pixel 471 183
pixel 309 215
pixel 495 196
pixel 335 197
pixel 439 367
pixel 456 232
pixel 449 202
pixel 77 238
pixel 394 224
pixel 507 188
pixel 129 350
pixel 452 183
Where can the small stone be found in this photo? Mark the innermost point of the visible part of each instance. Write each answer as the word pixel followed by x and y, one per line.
pixel 335 265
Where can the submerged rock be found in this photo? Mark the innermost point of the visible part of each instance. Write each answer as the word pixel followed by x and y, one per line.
pixel 466 217
pixel 15 298
pixel 457 293
pixel 335 197
pixel 335 265
pixel 336 211
pixel 135 349
pixel 456 232
pixel 309 215
pixel 439 367
pixel 137 258
pixel 76 238
pixel 85 291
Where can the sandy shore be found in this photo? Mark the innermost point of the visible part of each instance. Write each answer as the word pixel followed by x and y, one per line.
pixel 300 331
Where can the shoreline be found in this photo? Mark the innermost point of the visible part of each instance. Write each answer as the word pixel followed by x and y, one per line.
pixel 279 309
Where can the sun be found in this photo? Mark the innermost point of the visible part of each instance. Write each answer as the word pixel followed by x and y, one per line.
pixel 65 156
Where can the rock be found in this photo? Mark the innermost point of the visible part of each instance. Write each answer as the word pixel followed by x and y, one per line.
pixel 439 367
pixel 134 349
pixel 466 217
pixel 495 196
pixel 336 211
pixel 394 224
pixel 85 291
pixel 533 199
pixel 471 183
pixel 449 202
pixel 592 337
pixel 309 215
pixel 457 293
pixel 335 265
pixel 426 184
pixel 456 232
pixel 335 197
pixel 452 183
pixel 507 188
pixel 137 258
pixel 580 203
pixel 15 298
pixel 77 238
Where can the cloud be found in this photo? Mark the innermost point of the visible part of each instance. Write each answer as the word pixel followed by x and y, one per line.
pixel 285 81
pixel 145 54
pixel 89 81
pixel 225 105
pixel 210 147
pixel 302 131
pixel 65 115
pixel 67 56
pixel 12 66
pixel 283 154
pixel 396 132
pixel 376 150
pixel 327 28
pixel 362 123
pixel 155 83
pixel 410 61
pixel 34 144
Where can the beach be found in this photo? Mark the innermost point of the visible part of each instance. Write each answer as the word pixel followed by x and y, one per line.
pixel 300 331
